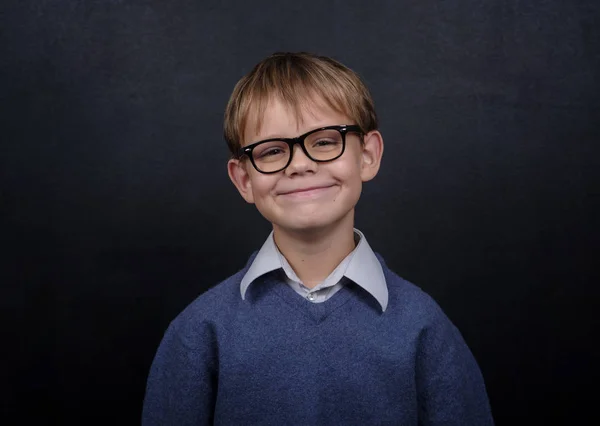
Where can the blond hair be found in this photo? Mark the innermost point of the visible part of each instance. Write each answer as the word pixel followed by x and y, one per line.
pixel 297 79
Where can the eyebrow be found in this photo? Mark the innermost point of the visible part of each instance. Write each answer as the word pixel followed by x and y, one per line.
pixel 273 136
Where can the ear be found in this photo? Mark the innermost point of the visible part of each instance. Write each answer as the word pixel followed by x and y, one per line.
pixel 238 173
pixel 372 151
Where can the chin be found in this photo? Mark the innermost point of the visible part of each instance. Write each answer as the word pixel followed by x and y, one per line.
pixel 304 223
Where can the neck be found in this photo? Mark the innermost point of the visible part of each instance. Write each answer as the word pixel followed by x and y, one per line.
pixel 314 254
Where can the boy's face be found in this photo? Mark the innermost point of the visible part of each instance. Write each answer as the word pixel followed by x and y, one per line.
pixel 307 196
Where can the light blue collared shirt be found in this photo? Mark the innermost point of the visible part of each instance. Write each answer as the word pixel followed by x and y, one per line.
pixel 361 266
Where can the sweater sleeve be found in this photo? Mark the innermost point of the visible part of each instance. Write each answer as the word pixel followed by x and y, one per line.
pixel 450 387
pixel 181 386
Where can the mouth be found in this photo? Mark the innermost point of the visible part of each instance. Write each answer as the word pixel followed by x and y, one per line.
pixel 308 192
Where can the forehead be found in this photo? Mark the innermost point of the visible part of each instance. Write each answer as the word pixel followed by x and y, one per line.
pixel 281 119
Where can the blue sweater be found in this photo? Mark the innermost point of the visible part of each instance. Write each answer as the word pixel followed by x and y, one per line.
pixel 278 359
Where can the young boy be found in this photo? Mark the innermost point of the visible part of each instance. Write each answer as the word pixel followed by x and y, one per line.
pixel 315 329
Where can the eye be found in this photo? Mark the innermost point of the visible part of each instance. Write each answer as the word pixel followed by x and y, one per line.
pixel 325 142
pixel 325 145
pixel 271 151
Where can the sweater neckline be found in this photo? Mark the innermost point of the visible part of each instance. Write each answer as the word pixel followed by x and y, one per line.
pixel 316 312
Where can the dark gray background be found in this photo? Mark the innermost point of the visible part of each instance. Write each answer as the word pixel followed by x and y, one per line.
pixel 117 210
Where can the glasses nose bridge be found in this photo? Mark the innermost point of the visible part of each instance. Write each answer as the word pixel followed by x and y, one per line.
pixel 300 142
pixel 300 164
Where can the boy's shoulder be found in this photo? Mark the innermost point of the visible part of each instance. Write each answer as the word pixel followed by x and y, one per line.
pixel 407 298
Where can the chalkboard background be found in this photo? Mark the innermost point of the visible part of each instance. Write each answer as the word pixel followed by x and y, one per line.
pixel 116 209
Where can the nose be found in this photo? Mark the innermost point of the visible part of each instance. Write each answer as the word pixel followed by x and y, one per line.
pixel 300 162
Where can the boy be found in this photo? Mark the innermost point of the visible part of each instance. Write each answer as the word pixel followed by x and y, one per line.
pixel 315 329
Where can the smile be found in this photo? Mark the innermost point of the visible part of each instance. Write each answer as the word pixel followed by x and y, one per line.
pixel 305 193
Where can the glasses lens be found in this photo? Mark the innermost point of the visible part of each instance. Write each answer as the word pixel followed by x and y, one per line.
pixel 324 145
pixel 271 156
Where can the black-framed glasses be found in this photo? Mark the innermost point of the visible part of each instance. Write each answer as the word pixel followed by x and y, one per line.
pixel 320 145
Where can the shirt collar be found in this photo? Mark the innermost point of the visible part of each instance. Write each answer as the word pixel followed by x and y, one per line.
pixel 364 268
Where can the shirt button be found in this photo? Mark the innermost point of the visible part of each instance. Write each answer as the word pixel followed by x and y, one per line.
pixel 311 297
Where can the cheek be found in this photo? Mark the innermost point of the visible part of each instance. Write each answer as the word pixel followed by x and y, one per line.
pixel 262 186
pixel 262 191
pixel 348 171
pixel 349 178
